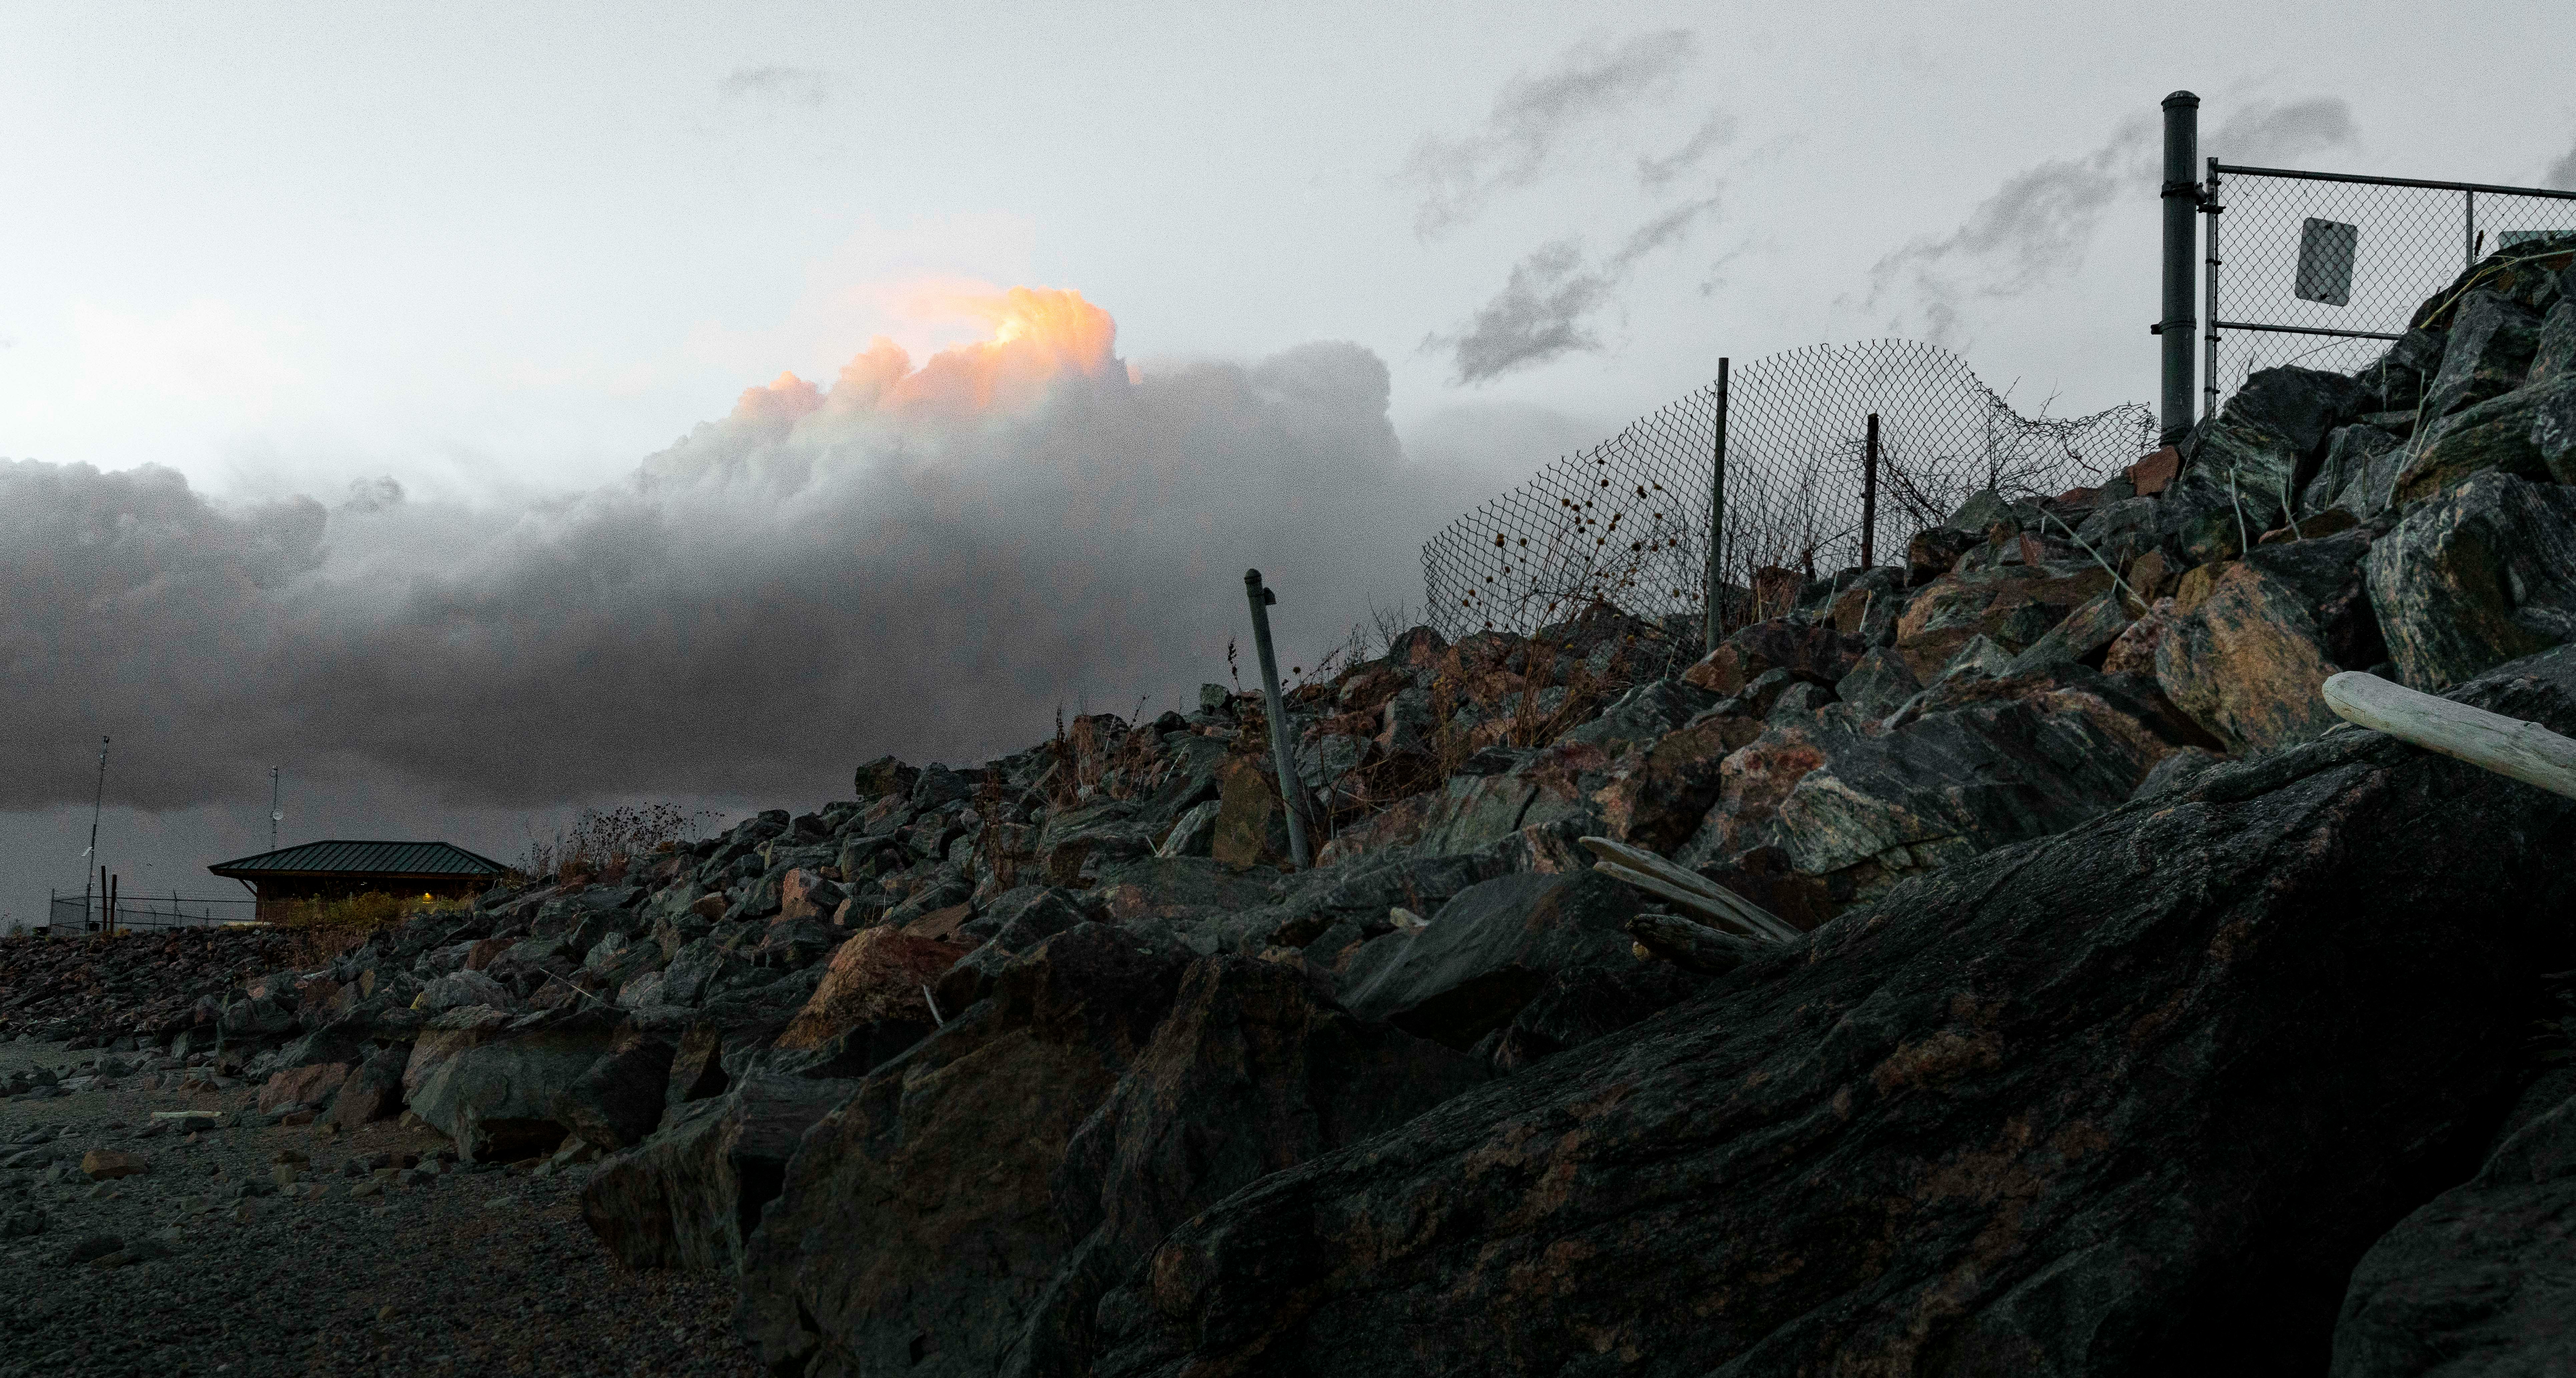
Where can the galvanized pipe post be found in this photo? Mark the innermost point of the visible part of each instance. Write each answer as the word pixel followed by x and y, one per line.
pixel 1291 794
pixel 2182 202
pixel 2469 230
pixel 1712 632
pixel 2210 206
pixel 1869 497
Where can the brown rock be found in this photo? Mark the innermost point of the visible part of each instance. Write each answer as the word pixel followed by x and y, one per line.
pixel 2013 606
pixel 2243 656
pixel 1819 653
pixel 2150 576
pixel 1656 800
pixel 2152 474
pixel 481 954
pixel 103 1164
pixel 876 976
pixel 940 925
pixel 1251 819
pixel 1400 823
pixel 2133 652
pixel 804 894
pixel 303 1085
pixel 708 907
pixel 2325 523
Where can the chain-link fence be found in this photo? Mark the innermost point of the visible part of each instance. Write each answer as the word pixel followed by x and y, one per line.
pixel 1627 521
pixel 72 914
pixel 2322 269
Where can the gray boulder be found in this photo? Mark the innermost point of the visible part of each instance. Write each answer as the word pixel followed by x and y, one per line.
pixel 2492 341
pixel 2480 575
pixel 494 1088
pixel 688 1196
pixel 1487 953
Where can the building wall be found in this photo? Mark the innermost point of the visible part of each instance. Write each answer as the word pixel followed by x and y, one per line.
pixel 278 898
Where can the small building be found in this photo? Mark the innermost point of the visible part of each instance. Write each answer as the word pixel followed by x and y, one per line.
pixel 339 870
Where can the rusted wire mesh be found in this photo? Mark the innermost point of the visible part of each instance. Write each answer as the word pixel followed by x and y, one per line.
pixel 1626 522
pixel 2399 245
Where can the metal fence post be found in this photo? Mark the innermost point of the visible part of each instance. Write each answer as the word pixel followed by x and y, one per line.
pixel 2469 230
pixel 1712 632
pixel 1291 794
pixel 2181 198
pixel 2210 207
pixel 1869 497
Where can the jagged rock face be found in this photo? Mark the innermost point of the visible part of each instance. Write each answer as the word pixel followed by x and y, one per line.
pixel 1488 952
pixel 2127 1100
pixel 961 1234
pixel 2483 574
pixel 2492 340
pixel 2530 432
pixel 495 1096
pixel 2270 434
pixel 2012 606
pixel 1256 1070
pixel 1820 653
pixel 2475 1280
pixel 691 1194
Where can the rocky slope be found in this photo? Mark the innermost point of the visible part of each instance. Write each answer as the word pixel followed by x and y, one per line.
pixel 2141 1020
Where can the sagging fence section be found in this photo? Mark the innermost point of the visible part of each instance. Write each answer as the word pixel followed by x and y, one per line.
pixel 2323 269
pixel 1627 522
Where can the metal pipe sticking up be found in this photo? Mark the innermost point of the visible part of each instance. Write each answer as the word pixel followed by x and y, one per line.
pixel 1711 632
pixel 2181 203
pixel 1290 795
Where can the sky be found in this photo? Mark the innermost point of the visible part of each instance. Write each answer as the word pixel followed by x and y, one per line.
pixel 485 412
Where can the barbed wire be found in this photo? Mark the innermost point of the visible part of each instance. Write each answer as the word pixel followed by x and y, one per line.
pixel 1626 522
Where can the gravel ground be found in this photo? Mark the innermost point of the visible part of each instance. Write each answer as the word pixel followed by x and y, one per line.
pixel 468 1272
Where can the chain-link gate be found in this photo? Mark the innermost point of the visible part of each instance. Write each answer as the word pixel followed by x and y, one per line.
pixel 2322 269
pixel 1626 522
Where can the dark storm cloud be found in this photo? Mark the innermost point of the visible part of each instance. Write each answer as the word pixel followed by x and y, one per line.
pixel 1532 116
pixel 927 562
pixel 1546 308
pixel 2036 228
pixel 793 85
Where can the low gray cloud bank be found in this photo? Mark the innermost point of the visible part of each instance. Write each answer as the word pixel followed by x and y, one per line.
pixel 926 561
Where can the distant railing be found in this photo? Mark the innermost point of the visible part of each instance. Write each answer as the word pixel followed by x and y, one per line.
pixel 68 915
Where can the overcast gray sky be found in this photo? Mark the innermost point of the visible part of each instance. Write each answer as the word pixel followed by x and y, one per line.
pixel 399 306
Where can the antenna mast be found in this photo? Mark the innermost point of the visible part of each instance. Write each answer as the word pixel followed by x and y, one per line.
pixel 276 815
pixel 100 798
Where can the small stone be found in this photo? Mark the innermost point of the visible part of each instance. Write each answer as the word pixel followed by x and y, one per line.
pixel 93 1247
pixel 370 1187
pixel 102 1164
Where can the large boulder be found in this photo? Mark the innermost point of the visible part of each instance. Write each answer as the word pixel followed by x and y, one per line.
pixel 619 1100
pixel 1817 652
pixel 2476 577
pixel 2476 1280
pixel 877 975
pixel 2012 606
pixel 1255 1071
pixel 1487 953
pixel 688 1196
pixel 372 1091
pixel 2248 643
pixel 2359 474
pixel 492 1085
pixel 2530 432
pixel 941 1163
pixel 2130 1100
pixel 2488 354
pixel 1988 762
pixel 1251 819
pixel 2270 435
pixel 1658 798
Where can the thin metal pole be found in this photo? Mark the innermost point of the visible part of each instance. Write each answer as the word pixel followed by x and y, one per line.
pixel 1711 632
pixel 110 925
pixel 2211 206
pixel 1869 498
pixel 91 856
pixel 275 814
pixel 2181 202
pixel 1291 795
pixel 2469 229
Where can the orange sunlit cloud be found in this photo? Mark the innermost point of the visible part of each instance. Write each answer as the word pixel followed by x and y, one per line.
pixel 1035 335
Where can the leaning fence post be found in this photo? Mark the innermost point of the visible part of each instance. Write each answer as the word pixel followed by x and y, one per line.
pixel 2181 202
pixel 1869 497
pixel 1712 632
pixel 1291 795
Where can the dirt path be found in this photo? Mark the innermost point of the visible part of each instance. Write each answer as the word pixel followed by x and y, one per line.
pixel 466 1272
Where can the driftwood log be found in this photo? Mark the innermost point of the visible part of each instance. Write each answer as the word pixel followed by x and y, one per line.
pixel 1692 946
pixel 2510 747
pixel 1697 893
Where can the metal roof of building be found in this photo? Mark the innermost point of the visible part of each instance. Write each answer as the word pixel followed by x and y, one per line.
pixel 338 858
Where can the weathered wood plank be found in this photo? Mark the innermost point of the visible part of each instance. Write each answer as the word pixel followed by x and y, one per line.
pixel 2510 747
